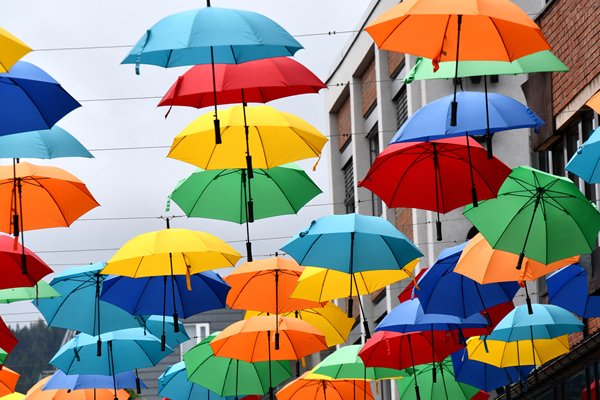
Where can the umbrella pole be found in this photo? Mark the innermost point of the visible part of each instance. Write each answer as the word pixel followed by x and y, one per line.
pixel 138 384
pixel 527 299
pixel 535 372
pixel 163 337
pixel 350 300
pixel 434 373
pixel 276 309
pixel 412 359
pixel 175 315
pixel 365 381
pixel 488 134
pixel 362 311
pixel 214 82
pixel 473 188
pixel 538 198
pixel 271 394
pixel 237 371
pixel 438 223
pixel 248 242
pixel 111 367
pixel 247 132
pixel 454 102
pixel 297 315
pixel 99 342
pixel 15 215
pixel 485 311
pixel 324 389
pixel 443 380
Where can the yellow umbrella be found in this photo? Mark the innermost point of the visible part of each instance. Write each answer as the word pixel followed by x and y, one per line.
pixel 330 320
pixel 12 50
pixel 518 353
pixel 274 138
pixel 322 284
pixel 594 102
pixel 13 396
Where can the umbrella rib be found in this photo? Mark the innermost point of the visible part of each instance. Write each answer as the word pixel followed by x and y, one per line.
pixel 316 151
pixel 205 188
pixel 282 192
pixel 523 207
pixel 135 309
pixel 213 150
pixel 502 40
pixel 262 144
pixel 405 172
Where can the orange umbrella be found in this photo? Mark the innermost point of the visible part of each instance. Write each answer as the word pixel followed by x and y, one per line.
pixel 37 393
pixel 318 387
pixel 8 381
pixel 594 102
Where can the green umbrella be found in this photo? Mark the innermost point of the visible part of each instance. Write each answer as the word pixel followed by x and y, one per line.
pixel 3 355
pixel 537 215
pixel 542 61
pixel 41 291
pixel 230 377
pixel 223 195
pixel 445 386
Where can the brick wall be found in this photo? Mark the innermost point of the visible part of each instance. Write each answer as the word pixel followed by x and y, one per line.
pixel 404 222
pixel 368 88
pixel 571 28
pixel 593 326
pixel 344 124
pixel 395 62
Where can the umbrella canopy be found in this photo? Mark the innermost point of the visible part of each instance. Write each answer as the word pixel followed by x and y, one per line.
pixel 231 377
pixel 8 381
pixel 432 121
pixel 13 396
pixel 442 291
pixel 216 194
pixel 38 392
pixel 11 259
pixel 518 353
pixel 443 386
pixel 345 363
pixel 123 350
pixel 13 49
pixel 258 81
pixel 484 264
pixel 154 325
pixel 541 61
pixel 40 290
pixel 584 162
pixel 49 143
pixel 211 35
pixel 174 385
pixel 171 252
pixel 8 341
pixel 59 380
pixel 274 138
pixel 485 376
pixel 567 288
pixel 594 102
pixel 30 99
pixel 309 387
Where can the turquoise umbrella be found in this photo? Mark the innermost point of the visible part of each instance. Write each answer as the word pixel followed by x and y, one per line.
pixel 585 162
pixel 173 384
pixel 50 143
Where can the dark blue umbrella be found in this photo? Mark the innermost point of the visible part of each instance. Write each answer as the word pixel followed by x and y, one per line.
pixel 123 380
pixel 568 288
pixel 30 100
pixel 442 291
pixel 485 376
pixel 48 143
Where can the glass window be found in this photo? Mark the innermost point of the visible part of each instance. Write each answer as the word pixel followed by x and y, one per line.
pixel 373 138
pixel 401 104
pixel 348 172
pixel 197 333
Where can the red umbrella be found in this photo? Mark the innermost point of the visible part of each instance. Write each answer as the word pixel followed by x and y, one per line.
pixel 8 341
pixel 11 260
pixel 437 175
pixel 495 314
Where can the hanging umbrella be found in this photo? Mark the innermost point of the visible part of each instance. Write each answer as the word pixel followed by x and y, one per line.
pixel 174 385
pixel 310 386
pixel 434 175
pixel 8 341
pixel 40 290
pixel 153 324
pixel 484 264
pixel 345 363
pixel 8 381
pixel 485 376
pixel 362 243
pixel 226 194
pixel 13 49
pixel 442 291
pixel 538 215
pixel 49 143
pixel 232 377
pixel 13 396
pixel 594 102
pixel 445 386
pixel 584 162
pixel 38 392
pixel 567 288
pixel 125 380
pixel 12 258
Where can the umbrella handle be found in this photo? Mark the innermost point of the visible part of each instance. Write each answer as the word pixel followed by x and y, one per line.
pixel 488 144
pixel 366 327
pixel 138 385
pixel 271 394
pixel 250 211
pixel 163 342
pixel 16 225
pixel 454 112
pixel 529 307
pixel 249 167
pixel 438 228
pixel 276 340
pixel 297 368
pixel 350 306
pixel 175 322
pixel 249 251
pixel 520 262
pixel 99 348
pixel 417 393
pixel 434 374
pixel 217 131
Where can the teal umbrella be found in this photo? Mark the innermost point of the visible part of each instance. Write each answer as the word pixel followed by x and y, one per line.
pixel 173 384
pixel 50 143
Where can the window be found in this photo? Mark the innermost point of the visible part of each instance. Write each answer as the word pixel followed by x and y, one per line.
pixel 197 333
pixel 373 138
pixel 348 172
pixel 401 104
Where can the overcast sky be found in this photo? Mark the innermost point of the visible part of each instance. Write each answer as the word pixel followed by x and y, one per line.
pixel 135 183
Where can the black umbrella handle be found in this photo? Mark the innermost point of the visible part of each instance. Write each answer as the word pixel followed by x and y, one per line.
pixel 350 306
pixel 438 228
pixel 417 393
pixel 250 211
pixel 163 342
pixel 175 322
pixel 217 131
pixel 138 385
pixel 16 225
pixel 99 348
pixel 271 393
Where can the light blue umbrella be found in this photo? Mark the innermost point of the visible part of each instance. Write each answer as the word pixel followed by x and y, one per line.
pixel 173 337
pixel 49 143
pixel 173 384
pixel 584 162
pixel 124 380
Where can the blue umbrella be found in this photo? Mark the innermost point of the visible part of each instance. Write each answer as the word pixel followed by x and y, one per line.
pixel 79 307
pixel 30 100
pixel 173 384
pixel 443 291
pixel 352 243
pixel 485 376
pixel 154 325
pixel 567 288
pixel 124 380
pixel 49 143
pixel 584 162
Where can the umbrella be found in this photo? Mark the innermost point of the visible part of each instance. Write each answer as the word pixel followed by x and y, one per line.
pixel 40 290
pixel 125 380
pixel 250 340
pixel 211 36
pixel 13 396
pixel 498 30
pixel 445 386
pixel 215 194
pixel 31 99
pixel 484 264
pixel 310 386
pixel 485 376
pixel 594 102
pixel 13 49
pixel 442 291
pixel 174 385
pixel 538 215
pixel 584 162
pixel 232 377
pixel 517 353
pixel 154 325
pixel 345 363
pixel 12 258
pixel 38 392
pixel 362 243
pixel 8 341
pixel 434 175
pixel 49 143
pixel 8 381
pixel 567 288
pixel 322 284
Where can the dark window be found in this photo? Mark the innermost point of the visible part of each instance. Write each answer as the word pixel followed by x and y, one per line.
pixel 401 104
pixel 373 139
pixel 348 171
